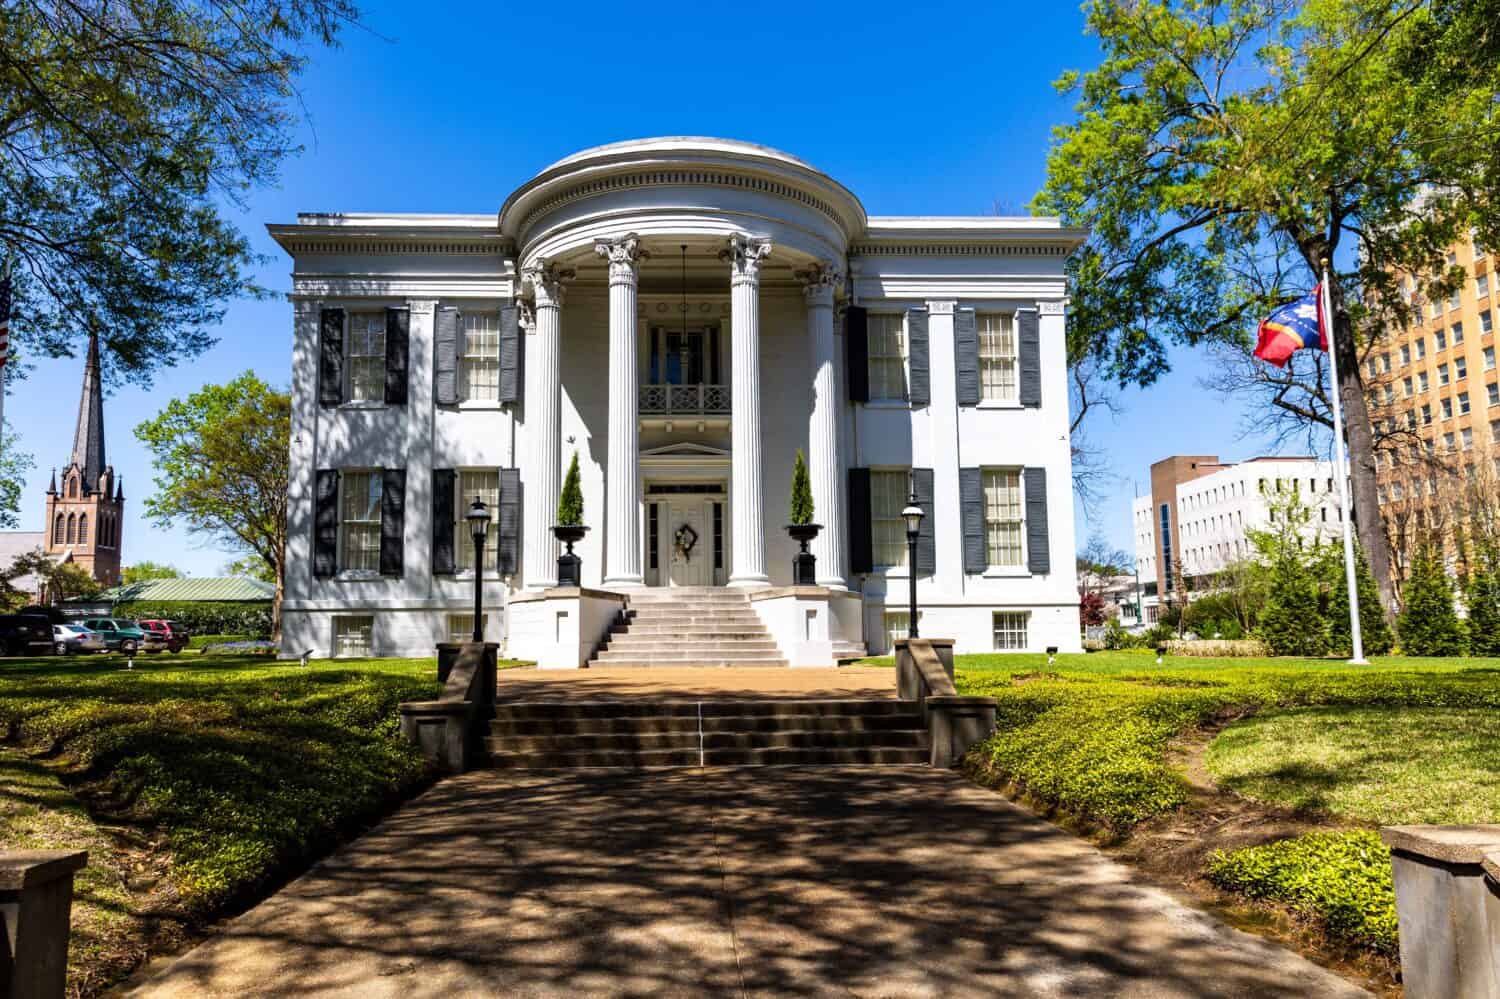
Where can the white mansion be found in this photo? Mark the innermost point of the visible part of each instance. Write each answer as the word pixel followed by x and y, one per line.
pixel 684 315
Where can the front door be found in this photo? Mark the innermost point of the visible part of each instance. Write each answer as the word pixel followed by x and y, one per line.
pixel 689 541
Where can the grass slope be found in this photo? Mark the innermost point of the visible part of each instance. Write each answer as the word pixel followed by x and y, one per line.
pixel 237 769
pixel 1090 737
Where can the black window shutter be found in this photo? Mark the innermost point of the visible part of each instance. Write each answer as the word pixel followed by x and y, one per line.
pixel 445 356
pixel 508 545
pixel 331 357
pixel 397 352
pixel 512 355
pixel 857 354
pixel 971 501
pixel 326 524
pixel 921 481
pixel 920 381
pixel 1029 344
pixel 392 521
pixel 861 543
pixel 444 557
pixel 966 356
pixel 1038 558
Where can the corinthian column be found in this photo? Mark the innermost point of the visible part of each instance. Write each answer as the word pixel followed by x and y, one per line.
pixel 823 424
pixel 543 472
pixel 745 498
pixel 622 525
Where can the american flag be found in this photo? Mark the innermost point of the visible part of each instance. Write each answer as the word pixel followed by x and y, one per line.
pixel 4 319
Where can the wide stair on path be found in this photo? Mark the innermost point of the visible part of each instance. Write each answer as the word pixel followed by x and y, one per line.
pixel 684 733
pixel 688 626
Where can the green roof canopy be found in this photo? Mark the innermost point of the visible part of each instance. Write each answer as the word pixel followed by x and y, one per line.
pixel 205 589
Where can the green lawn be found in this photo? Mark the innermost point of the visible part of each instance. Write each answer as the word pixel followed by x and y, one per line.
pixel 1400 741
pixel 234 771
pixel 1383 765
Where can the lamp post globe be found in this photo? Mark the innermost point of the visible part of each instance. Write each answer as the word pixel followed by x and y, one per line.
pixel 913 517
pixel 479 527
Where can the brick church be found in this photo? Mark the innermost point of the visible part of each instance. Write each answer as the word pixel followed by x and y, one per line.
pixel 85 512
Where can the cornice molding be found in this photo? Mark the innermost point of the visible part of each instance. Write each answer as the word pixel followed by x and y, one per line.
pixel 952 249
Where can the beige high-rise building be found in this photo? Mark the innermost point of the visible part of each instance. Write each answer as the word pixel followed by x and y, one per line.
pixel 1435 399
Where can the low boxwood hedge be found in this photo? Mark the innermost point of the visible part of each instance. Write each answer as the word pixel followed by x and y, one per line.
pixel 1341 880
pixel 203 616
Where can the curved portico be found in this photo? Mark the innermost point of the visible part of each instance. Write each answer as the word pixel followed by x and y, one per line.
pixel 676 214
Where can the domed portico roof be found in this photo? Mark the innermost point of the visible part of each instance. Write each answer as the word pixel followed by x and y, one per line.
pixel 682 184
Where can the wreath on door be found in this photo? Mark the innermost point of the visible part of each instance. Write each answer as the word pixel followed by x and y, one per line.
pixel 684 540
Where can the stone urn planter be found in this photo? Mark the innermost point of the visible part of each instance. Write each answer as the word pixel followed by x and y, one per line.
pixel 569 566
pixel 805 565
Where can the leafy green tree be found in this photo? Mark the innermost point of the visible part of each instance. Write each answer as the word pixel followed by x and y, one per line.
pixel 13 468
pixel 1292 621
pixel 1482 597
pixel 1375 631
pixel 1428 624
pixel 130 130
pixel 570 502
pixel 60 580
pixel 222 463
pixel 250 567
pixel 142 571
pixel 1222 150
pixel 802 497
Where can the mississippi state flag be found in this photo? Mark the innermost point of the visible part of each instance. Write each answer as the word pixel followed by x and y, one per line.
pixel 1292 327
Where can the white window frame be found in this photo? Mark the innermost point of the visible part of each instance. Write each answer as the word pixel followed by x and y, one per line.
pixel 364 349
pixel 1001 518
pixel 463 494
pixel 346 498
pixel 341 639
pixel 999 359
pixel 1003 630
pixel 461 626
pixel 885 361
pixel 883 483
pixel 896 624
pixel 478 352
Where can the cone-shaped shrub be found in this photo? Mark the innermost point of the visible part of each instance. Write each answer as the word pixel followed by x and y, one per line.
pixel 570 503
pixel 802 499
pixel 1483 599
pixel 1428 624
pixel 1291 624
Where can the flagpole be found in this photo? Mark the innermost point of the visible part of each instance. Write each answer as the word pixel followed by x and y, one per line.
pixel 1326 306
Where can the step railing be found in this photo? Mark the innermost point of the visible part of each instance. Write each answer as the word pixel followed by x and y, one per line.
pixel 955 723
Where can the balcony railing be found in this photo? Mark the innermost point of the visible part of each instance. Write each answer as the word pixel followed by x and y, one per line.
pixel 684 400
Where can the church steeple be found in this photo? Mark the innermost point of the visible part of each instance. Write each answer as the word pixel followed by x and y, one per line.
pixel 88 438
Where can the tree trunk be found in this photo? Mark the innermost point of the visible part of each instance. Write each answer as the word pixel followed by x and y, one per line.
pixel 276 608
pixel 1361 449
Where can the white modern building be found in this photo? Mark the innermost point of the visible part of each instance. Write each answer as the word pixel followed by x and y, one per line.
pixel 684 315
pixel 1198 516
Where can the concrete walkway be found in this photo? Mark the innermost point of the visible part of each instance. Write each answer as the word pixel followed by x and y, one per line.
pixel 885 881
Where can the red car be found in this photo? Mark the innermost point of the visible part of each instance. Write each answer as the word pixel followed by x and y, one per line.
pixel 173 634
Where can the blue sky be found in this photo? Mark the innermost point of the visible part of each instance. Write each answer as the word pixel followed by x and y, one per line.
pixel 938 108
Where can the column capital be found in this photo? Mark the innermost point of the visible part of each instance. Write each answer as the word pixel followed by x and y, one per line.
pixel 624 254
pixel 744 254
pixel 526 315
pixel 547 280
pixel 819 282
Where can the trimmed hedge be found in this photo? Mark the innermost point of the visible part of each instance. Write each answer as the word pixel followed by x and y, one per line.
pixel 1219 648
pixel 1342 880
pixel 204 616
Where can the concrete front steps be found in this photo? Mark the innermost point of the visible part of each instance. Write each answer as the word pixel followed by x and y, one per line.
pixel 688 626
pixel 641 733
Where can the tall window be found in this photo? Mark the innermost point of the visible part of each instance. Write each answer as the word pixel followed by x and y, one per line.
pixel 366 356
pixel 1010 630
pixel 360 521
pixel 479 366
pixel 484 483
pixel 83 528
pixel 997 356
pixel 72 528
pixel 57 530
pixel 888 356
pixel 352 636
pixel 888 493
pixel 898 627
pixel 1486 321
pixel 1002 515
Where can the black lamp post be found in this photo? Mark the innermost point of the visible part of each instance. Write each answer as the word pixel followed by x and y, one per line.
pixel 913 517
pixel 479 526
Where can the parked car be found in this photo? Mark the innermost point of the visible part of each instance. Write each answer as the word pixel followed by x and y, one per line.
pixel 174 634
pixel 71 639
pixel 121 635
pixel 25 634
